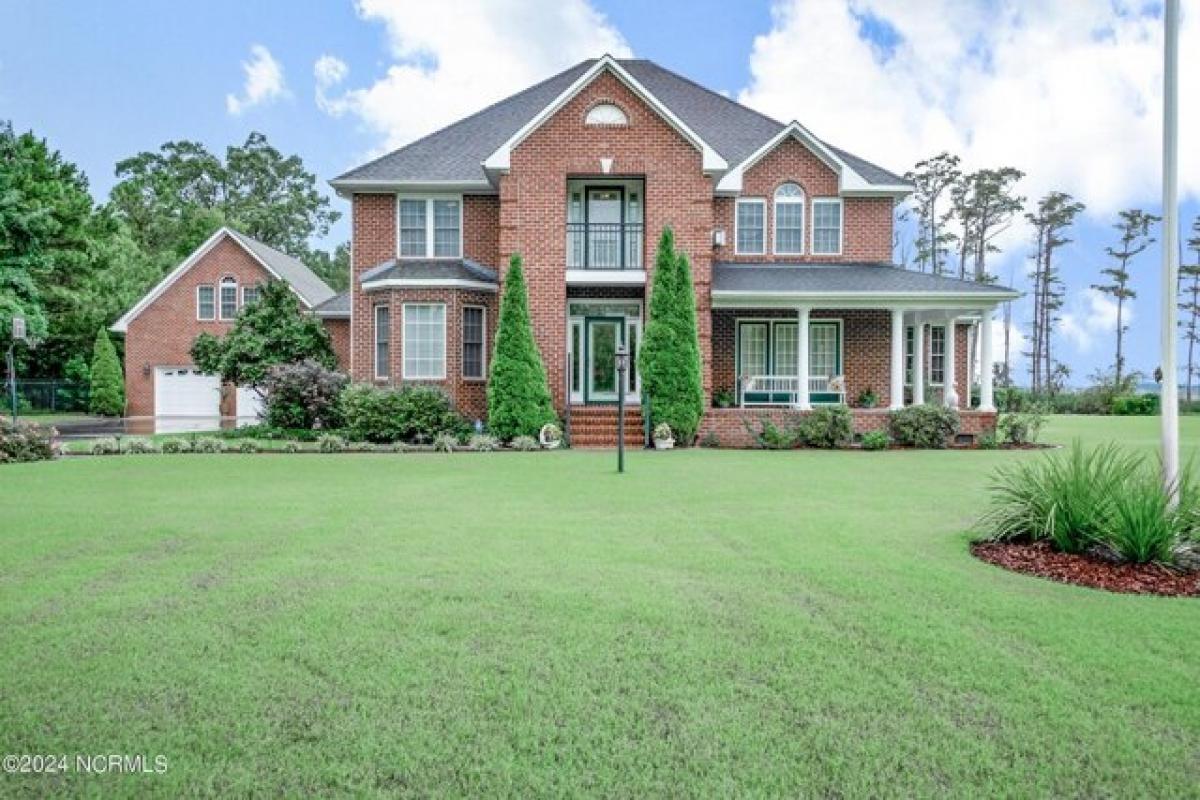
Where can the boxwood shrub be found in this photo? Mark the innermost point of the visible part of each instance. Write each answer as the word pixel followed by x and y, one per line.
pixel 405 414
pixel 826 427
pixel 927 426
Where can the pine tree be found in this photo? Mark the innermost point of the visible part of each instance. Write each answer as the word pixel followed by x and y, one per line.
pixel 108 384
pixel 669 361
pixel 1135 237
pixel 1056 213
pixel 1189 276
pixel 930 179
pixel 518 395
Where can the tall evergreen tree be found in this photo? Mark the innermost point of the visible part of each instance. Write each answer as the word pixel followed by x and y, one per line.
pixel 931 179
pixel 1055 214
pixel 108 383
pixel 669 361
pixel 518 395
pixel 1134 228
pixel 1189 276
pixel 985 203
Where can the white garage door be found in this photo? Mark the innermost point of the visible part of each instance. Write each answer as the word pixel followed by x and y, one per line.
pixel 249 407
pixel 186 392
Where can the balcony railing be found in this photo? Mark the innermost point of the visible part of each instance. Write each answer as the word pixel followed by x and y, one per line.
pixel 613 245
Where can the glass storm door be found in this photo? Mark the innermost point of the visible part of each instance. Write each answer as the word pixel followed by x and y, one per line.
pixel 602 335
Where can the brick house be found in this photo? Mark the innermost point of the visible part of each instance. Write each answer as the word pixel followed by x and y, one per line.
pixel 789 238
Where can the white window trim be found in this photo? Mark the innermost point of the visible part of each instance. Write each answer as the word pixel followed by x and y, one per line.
pixel 256 286
pixel 404 344
pixel 798 201
pixel 910 354
pixel 812 249
pixel 215 308
pixel 221 286
pixel 483 359
pixel 773 321
pixel 737 247
pixel 429 223
pixel 929 365
pixel 375 340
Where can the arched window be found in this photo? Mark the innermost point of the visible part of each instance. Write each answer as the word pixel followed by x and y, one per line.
pixel 229 297
pixel 789 220
pixel 606 114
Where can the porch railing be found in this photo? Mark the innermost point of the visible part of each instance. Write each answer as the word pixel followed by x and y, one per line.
pixel 594 245
pixel 779 390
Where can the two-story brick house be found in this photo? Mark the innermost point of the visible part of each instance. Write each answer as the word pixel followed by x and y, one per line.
pixel 789 238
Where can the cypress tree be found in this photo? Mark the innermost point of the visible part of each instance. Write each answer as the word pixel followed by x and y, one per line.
pixel 669 361
pixel 518 395
pixel 108 384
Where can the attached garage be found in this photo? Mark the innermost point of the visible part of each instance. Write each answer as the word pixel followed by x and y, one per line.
pixel 249 406
pixel 186 392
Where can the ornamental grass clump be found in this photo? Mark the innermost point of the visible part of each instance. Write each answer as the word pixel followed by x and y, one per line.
pixel 1145 527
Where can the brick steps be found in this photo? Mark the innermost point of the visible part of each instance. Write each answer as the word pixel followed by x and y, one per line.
pixel 596 426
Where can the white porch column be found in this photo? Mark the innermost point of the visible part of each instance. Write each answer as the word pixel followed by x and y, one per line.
pixel 897 392
pixel 802 401
pixel 918 396
pixel 950 382
pixel 987 401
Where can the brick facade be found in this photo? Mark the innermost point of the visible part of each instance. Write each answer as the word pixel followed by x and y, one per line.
pixel 162 334
pixel 339 336
pixel 729 425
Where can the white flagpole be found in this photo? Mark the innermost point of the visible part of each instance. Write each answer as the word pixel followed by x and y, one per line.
pixel 1170 248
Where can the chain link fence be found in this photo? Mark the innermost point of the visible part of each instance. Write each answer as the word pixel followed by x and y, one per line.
pixel 46 394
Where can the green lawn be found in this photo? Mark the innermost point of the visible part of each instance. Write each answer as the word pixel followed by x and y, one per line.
pixel 710 623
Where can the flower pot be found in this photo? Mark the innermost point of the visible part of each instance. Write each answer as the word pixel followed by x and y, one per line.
pixel 664 444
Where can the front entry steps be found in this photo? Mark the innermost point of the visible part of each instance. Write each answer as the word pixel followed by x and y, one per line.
pixel 596 426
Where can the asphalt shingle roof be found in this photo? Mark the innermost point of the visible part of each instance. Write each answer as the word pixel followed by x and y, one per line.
pixel 303 280
pixel 456 152
pixel 463 269
pixel 840 277
pixel 336 306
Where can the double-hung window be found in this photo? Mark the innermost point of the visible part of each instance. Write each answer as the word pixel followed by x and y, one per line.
pixel 473 335
pixel 751 223
pixel 383 338
pixel 789 220
pixel 424 341
pixel 827 226
pixel 937 354
pixel 229 298
pixel 823 350
pixel 250 294
pixel 910 339
pixel 430 227
pixel 206 302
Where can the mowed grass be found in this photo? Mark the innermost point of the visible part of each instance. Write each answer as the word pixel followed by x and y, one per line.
pixel 710 623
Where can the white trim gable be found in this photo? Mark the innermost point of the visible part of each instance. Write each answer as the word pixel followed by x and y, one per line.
pixel 122 324
pixel 500 159
pixel 850 182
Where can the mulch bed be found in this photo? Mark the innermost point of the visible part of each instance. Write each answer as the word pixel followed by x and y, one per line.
pixel 1040 559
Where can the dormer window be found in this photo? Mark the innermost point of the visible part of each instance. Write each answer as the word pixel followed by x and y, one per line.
pixel 606 114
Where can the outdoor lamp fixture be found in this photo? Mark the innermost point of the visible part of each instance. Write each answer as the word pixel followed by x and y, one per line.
pixel 622 359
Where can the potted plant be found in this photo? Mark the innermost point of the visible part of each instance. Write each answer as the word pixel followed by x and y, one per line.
pixel 867 398
pixel 550 435
pixel 725 398
pixel 663 439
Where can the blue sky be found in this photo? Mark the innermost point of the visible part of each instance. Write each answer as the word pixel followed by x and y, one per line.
pixel 1068 94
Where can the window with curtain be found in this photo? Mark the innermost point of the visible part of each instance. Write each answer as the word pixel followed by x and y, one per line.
pixel 827 226
pixel 383 334
pixel 424 341
pixel 751 227
pixel 206 302
pixel 229 298
pixel 473 342
pixel 789 220
pixel 937 354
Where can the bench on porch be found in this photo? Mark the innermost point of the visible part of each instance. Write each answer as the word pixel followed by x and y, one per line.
pixel 779 390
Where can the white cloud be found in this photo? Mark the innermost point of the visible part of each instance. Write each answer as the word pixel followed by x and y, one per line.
pixel 1091 318
pixel 264 81
pixel 1069 92
pixel 451 59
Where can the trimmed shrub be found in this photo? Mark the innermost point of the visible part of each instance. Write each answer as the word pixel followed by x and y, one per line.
pixel 669 360
pixel 139 446
pixel 331 443
pixel 518 396
pixel 175 446
pixel 769 436
pixel 876 440
pixel 525 443
pixel 208 444
pixel 445 443
pixel 303 395
pixel 826 427
pixel 25 441
pixel 408 414
pixel 261 432
pixel 483 443
pixel 107 395
pixel 105 447
pixel 1022 427
pixel 988 440
pixel 927 426
pixel 291 447
pixel 247 446
pixel 1135 405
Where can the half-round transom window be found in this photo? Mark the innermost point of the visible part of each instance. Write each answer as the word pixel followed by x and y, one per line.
pixel 789 190
pixel 606 114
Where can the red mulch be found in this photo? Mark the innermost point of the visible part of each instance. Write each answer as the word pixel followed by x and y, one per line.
pixel 1082 570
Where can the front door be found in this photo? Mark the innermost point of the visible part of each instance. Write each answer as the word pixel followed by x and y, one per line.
pixel 601 337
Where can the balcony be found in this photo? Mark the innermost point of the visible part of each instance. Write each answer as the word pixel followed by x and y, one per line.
pixel 604 245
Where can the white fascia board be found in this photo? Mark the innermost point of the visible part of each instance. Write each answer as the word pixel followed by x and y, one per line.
pixel 500 159
pixel 907 300
pixel 429 283
pixel 347 188
pixel 606 277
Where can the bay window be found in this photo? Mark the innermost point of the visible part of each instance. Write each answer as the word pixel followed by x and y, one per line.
pixel 424 341
pixel 383 337
pixel 473 336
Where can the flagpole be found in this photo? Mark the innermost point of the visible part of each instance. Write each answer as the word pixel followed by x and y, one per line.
pixel 1170 248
